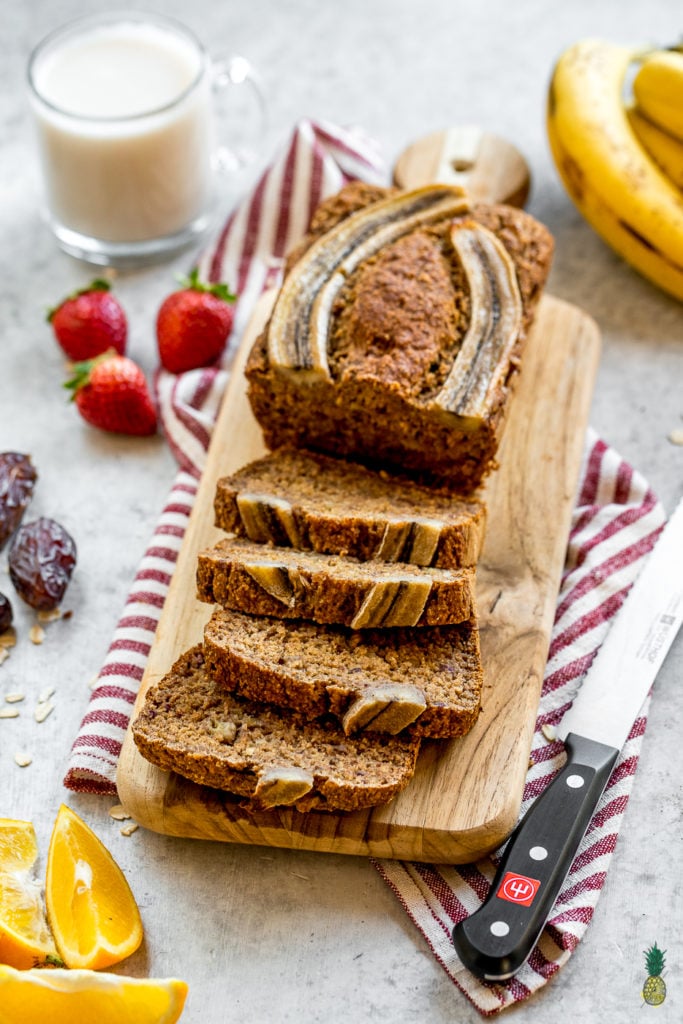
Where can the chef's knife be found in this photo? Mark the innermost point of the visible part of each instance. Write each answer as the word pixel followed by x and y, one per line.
pixel 497 939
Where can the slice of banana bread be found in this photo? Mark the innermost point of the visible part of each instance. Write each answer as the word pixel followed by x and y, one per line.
pixel 189 725
pixel 313 502
pixel 425 682
pixel 265 580
pixel 397 335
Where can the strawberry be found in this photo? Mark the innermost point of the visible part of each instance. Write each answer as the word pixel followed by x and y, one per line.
pixel 111 393
pixel 193 324
pixel 89 322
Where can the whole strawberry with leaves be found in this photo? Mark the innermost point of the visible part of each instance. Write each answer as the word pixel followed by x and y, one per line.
pixel 193 324
pixel 111 393
pixel 90 321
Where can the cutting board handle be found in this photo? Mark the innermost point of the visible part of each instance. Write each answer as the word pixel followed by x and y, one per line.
pixel 489 167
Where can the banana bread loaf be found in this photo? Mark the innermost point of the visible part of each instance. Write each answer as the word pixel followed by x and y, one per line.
pixel 269 756
pixel 265 580
pixel 397 335
pixel 314 502
pixel 422 682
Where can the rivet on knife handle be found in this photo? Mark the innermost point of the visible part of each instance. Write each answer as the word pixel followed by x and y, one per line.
pixel 497 939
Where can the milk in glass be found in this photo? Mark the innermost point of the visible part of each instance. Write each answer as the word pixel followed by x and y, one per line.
pixel 123 115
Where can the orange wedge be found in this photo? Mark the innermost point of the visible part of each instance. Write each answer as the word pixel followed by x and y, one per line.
pixel 91 909
pixel 25 939
pixel 77 997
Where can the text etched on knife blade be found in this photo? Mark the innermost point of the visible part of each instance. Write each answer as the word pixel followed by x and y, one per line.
pixel 655 642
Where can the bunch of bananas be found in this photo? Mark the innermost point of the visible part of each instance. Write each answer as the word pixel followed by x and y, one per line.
pixel 620 156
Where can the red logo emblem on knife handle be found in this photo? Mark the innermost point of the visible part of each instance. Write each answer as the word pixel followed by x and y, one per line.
pixel 518 889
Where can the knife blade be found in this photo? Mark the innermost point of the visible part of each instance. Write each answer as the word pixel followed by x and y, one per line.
pixel 497 939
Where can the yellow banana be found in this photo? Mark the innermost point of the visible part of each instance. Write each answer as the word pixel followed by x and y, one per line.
pixel 613 182
pixel 658 90
pixel 665 149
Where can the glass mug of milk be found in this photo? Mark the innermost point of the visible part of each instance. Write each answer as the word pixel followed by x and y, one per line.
pixel 124 105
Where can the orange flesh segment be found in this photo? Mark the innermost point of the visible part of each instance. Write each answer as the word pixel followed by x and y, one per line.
pixel 92 911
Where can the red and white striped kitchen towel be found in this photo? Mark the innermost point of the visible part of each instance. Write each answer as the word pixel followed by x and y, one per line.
pixel 615 524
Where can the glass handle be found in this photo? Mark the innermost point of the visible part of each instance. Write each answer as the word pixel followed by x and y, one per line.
pixel 242 112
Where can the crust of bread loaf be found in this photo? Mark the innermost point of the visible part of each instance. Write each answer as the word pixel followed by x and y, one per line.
pixel 395 330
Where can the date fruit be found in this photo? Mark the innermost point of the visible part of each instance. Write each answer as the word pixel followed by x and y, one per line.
pixel 41 559
pixel 6 614
pixel 17 479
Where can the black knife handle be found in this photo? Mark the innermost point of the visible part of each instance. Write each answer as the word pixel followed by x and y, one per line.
pixel 497 939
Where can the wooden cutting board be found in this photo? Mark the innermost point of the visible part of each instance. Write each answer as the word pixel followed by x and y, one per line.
pixel 465 796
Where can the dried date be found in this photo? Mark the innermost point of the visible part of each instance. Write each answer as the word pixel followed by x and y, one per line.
pixel 6 615
pixel 41 559
pixel 17 479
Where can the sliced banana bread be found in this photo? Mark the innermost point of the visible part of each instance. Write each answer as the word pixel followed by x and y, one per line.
pixel 285 583
pixel 313 502
pixel 397 335
pixel 426 682
pixel 189 725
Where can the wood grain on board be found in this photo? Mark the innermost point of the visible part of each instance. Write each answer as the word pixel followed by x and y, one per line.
pixel 466 793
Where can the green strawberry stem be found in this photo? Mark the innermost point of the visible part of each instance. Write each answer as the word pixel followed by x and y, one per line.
pixel 81 371
pixel 98 285
pixel 193 283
